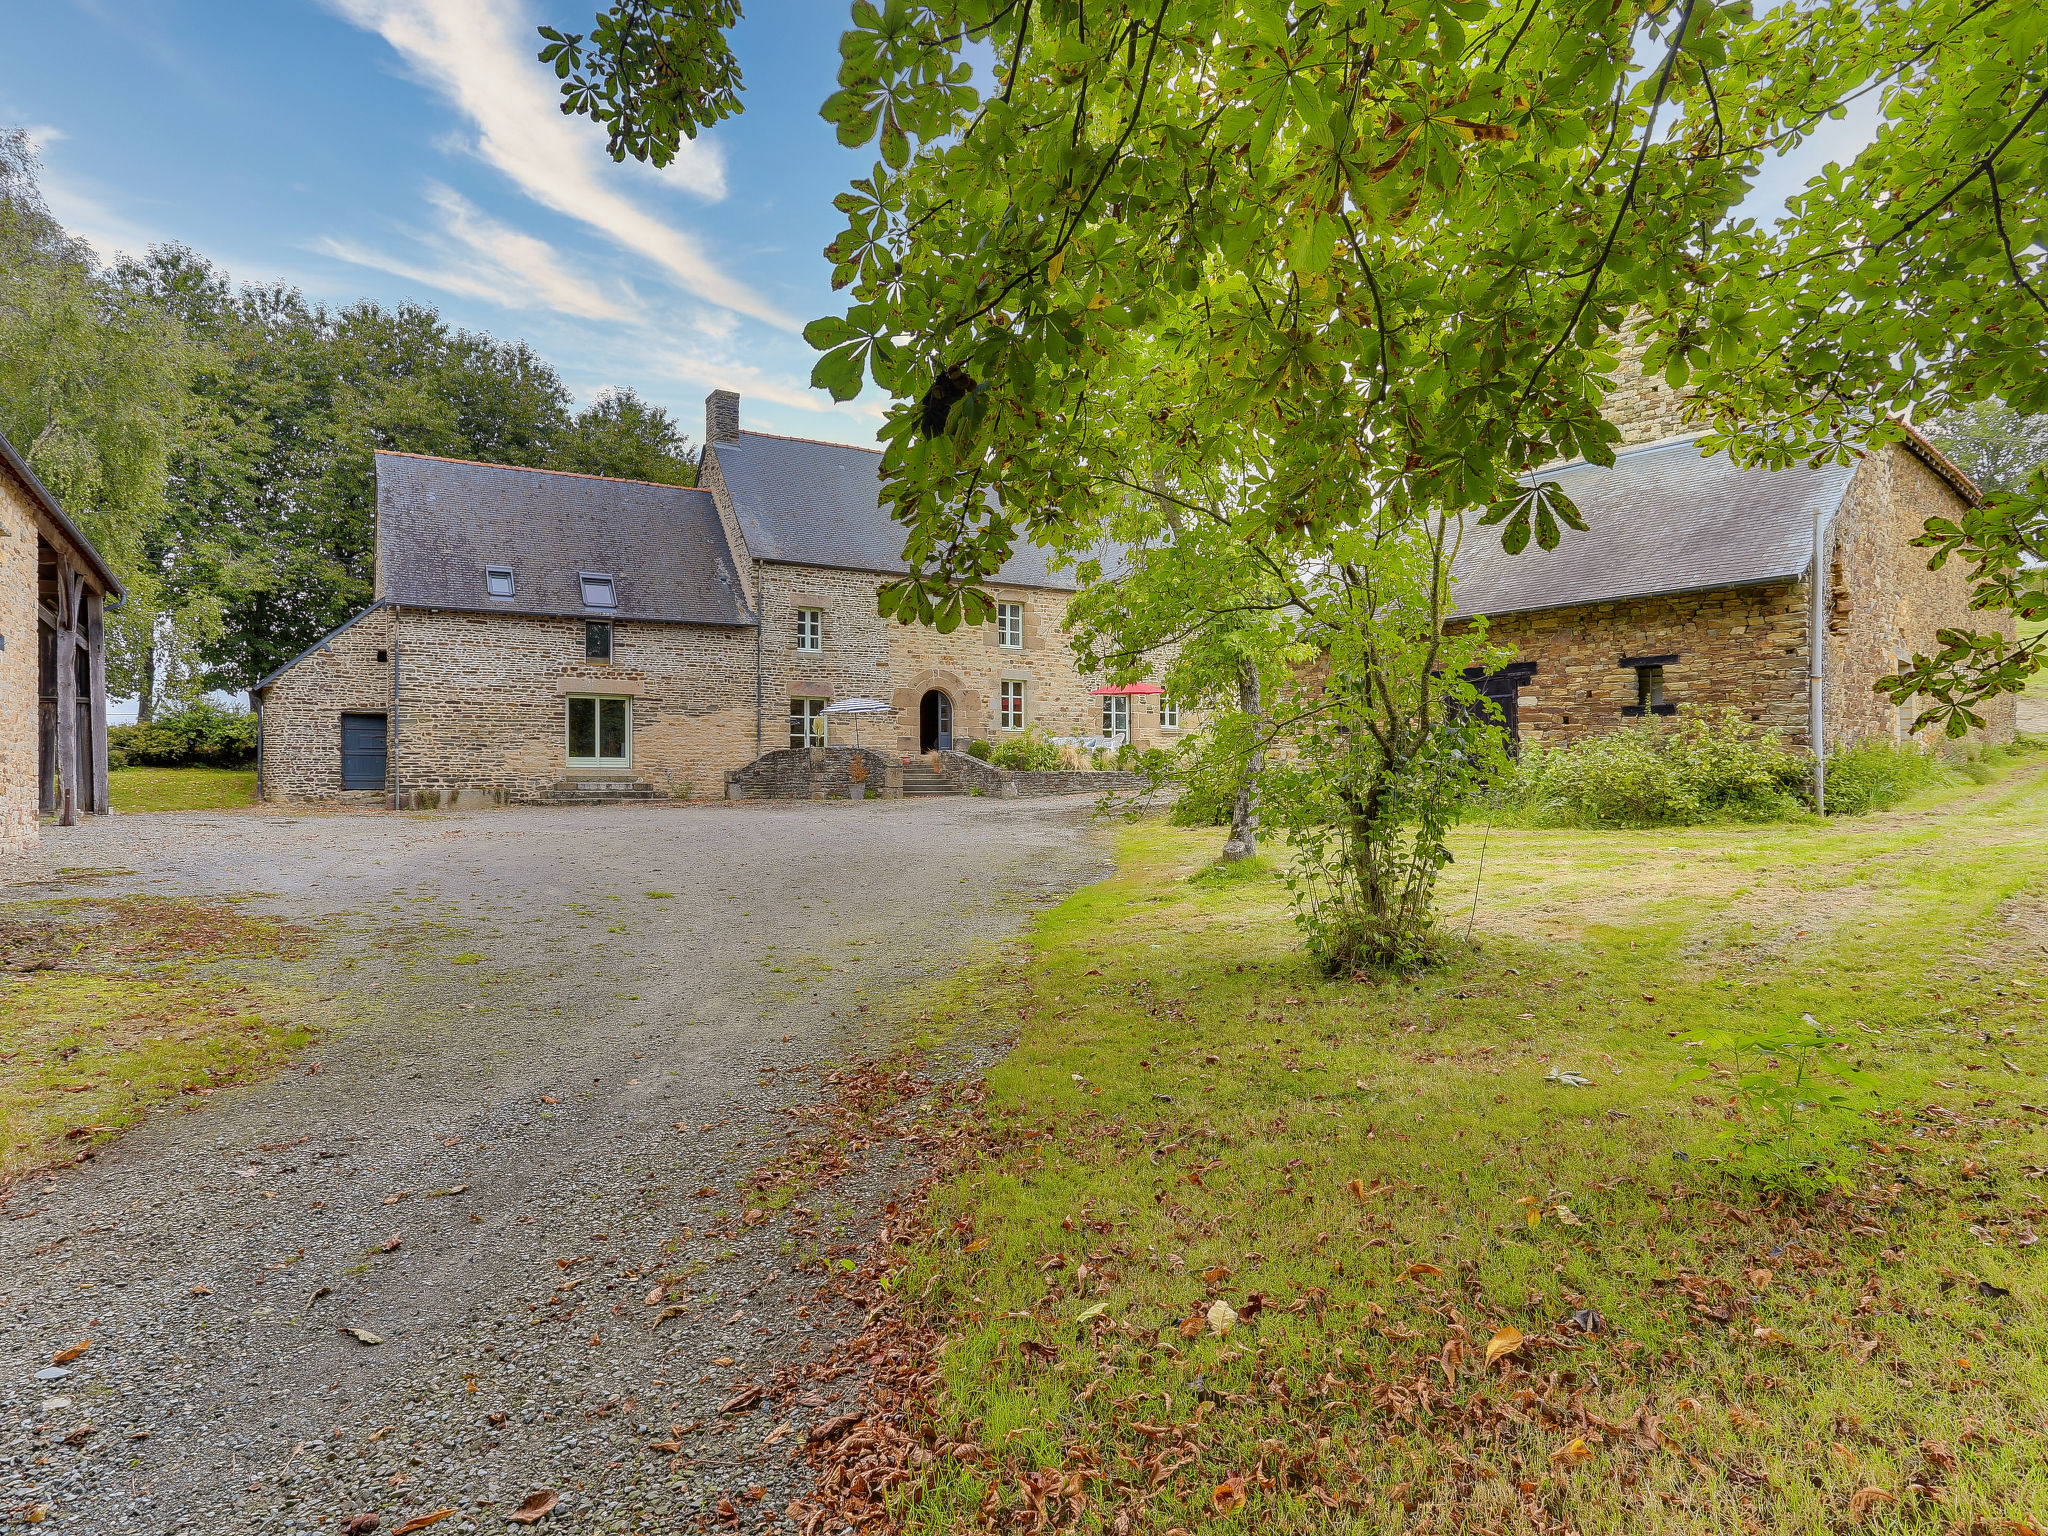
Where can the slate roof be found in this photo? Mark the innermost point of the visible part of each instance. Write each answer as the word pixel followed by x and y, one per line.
pixel 1664 519
pixel 40 494
pixel 801 502
pixel 440 522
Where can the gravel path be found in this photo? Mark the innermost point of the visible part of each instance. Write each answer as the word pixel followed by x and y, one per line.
pixel 573 1104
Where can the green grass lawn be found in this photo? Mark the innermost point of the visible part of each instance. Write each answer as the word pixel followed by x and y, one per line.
pixel 182 789
pixel 1457 1294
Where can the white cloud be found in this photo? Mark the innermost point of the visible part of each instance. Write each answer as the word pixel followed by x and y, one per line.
pixel 480 54
pixel 484 259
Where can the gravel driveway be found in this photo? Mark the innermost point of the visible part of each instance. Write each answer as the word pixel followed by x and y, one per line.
pixel 532 1072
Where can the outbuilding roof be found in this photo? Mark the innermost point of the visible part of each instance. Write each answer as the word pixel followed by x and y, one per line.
pixel 801 502
pixel 1664 519
pixel 443 523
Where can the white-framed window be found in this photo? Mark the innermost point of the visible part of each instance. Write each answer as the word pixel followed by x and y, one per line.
pixel 1010 626
pixel 1116 715
pixel 498 581
pixel 807 722
pixel 810 629
pixel 1010 705
pixel 599 591
pixel 1169 713
pixel 600 731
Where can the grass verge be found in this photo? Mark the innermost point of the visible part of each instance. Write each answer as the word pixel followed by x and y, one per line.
pixel 181 789
pixel 1225 1247
pixel 110 1008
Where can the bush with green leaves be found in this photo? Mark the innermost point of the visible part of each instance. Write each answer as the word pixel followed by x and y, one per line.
pixel 978 750
pixel 1699 765
pixel 1033 752
pixel 200 733
pixel 1875 775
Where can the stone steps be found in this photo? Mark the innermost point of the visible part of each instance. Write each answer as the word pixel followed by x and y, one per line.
pixel 600 792
pixel 919 779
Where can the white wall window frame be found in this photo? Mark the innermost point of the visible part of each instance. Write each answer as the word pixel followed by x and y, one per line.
pixel 1169 713
pixel 810 630
pixel 498 582
pixel 1010 626
pixel 1116 715
pixel 1010 705
pixel 594 720
pixel 598 589
pixel 807 722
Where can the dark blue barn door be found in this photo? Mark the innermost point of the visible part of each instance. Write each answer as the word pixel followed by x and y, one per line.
pixel 362 751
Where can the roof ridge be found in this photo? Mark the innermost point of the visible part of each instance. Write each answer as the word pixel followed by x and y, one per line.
pixel 784 437
pixel 530 469
pixel 1922 447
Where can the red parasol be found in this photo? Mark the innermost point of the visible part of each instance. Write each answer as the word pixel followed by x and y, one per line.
pixel 1129 689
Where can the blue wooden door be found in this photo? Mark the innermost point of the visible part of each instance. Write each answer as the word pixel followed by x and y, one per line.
pixel 362 751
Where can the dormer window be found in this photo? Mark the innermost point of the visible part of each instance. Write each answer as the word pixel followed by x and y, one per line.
pixel 598 591
pixel 498 580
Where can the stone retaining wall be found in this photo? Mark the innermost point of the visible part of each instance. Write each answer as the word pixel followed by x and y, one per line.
pixel 814 773
pixel 1024 784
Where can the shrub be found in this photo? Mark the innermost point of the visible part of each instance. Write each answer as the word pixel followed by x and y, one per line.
pixel 1698 766
pixel 202 732
pixel 979 750
pixel 1033 752
pixel 1876 775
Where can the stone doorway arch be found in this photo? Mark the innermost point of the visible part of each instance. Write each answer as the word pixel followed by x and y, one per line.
pixel 935 721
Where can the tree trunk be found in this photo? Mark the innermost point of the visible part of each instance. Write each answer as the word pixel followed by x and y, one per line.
pixel 1244 828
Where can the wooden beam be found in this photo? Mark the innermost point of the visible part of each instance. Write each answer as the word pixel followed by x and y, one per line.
pixel 67 695
pixel 96 638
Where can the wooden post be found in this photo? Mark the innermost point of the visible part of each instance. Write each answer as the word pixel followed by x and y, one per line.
pixel 96 637
pixel 67 688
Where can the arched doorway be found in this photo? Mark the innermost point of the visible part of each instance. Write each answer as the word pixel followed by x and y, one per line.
pixel 935 723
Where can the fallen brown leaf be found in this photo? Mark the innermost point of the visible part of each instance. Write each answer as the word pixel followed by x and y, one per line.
pixel 1228 1494
pixel 361 1525
pixel 1502 1344
pixel 66 1356
pixel 1862 1502
pixel 421 1522
pixel 745 1400
pixel 389 1245
pixel 535 1507
pixel 1571 1454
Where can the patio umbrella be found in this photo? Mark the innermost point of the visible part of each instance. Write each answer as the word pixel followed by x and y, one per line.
pixel 857 708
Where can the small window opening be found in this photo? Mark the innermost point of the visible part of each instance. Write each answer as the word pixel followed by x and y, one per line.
pixel 598 591
pixel 1169 714
pixel 498 580
pixel 383 655
pixel 1649 672
pixel 1116 715
pixel 597 640
pixel 1010 712
pixel 810 629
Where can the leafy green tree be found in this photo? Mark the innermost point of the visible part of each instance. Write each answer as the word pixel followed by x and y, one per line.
pixel 1993 444
pixel 621 435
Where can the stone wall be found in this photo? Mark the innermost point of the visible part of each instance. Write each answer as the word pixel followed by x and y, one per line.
pixel 1884 604
pixel 814 773
pixel 347 672
pixel 18 666
pixel 482 705
pixel 867 656
pixel 1740 647
pixel 1020 784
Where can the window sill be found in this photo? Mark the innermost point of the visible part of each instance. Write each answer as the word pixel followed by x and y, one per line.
pixel 1636 711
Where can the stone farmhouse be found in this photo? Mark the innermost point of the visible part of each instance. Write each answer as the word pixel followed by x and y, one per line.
pixel 53 676
pixel 1767 591
pixel 537 636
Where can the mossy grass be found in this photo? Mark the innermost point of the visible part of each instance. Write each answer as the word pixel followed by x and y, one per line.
pixel 1383 1178
pixel 110 1008
pixel 181 789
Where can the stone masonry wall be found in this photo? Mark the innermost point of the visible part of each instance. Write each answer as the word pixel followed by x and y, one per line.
pixel 867 656
pixel 348 672
pixel 1884 604
pixel 811 773
pixel 18 665
pixel 1025 784
pixel 483 705
pixel 1741 647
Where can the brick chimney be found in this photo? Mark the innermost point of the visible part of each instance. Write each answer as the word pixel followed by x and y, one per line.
pixel 721 417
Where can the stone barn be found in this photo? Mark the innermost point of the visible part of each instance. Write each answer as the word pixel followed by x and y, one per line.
pixel 53 674
pixel 540 636
pixel 1703 583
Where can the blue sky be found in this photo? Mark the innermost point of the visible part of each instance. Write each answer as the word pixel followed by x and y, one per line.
pixel 412 149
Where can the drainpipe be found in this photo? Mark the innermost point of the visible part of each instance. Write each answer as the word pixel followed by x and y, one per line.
pixel 395 614
pixel 760 703
pixel 1817 650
